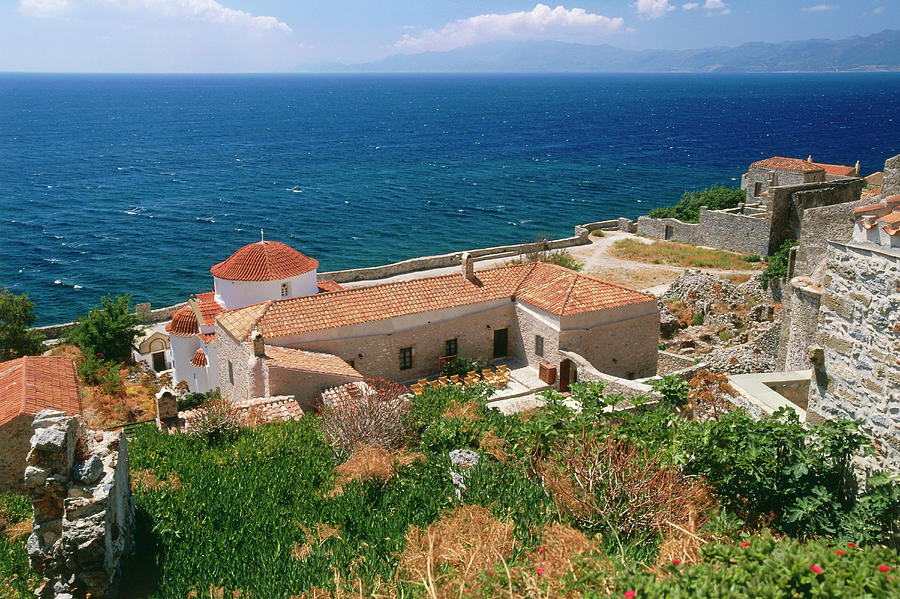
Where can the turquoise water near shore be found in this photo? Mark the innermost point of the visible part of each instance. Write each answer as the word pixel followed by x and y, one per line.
pixel 114 184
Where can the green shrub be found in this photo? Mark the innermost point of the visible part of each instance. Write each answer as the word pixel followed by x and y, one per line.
pixel 462 366
pixel 753 258
pixel 674 390
pixel 16 577
pixel 698 318
pixel 716 197
pixel 564 259
pixel 194 400
pixel 778 264
pixel 767 567
pixel 108 330
pixel 16 315
pixel 96 371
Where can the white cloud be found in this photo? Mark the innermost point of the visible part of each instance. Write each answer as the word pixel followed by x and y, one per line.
pixel 877 10
pixel 820 8
pixel 203 10
pixel 714 4
pixel 690 6
pixel 542 21
pixel 653 8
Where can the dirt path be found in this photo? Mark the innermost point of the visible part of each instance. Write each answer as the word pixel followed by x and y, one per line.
pixel 653 278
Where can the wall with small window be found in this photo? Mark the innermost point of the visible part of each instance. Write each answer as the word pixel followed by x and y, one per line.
pixel 538 334
pixel 236 294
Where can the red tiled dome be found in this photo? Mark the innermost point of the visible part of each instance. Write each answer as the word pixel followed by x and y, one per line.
pixel 184 322
pixel 199 359
pixel 264 261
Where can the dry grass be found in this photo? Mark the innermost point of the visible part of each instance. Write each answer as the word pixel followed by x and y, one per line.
pixel 147 479
pixel 493 445
pixel 16 531
pixel 371 463
pixel 314 537
pixel 636 277
pixel 737 278
pixel 562 545
pixel 467 539
pixel 469 410
pixel 680 254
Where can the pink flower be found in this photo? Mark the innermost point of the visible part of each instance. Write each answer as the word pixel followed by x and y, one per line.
pixel 884 568
pixel 840 552
pixel 490 571
pixel 676 561
pixel 745 544
pixel 816 568
pixel 539 570
pixel 629 594
pixel 851 545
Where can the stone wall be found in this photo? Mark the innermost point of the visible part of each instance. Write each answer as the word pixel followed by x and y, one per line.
pixel 670 229
pixel 787 205
pixel 801 322
pixel 304 387
pixel 614 385
pixel 15 441
pixel 857 373
pixel 729 230
pixel 891 182
pixel 80 486
pixel 453 259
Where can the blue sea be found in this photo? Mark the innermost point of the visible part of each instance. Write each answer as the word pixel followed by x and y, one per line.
pixel 138 184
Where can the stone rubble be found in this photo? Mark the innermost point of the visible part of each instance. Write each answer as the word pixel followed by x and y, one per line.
pixel 80 487
pixel 700 291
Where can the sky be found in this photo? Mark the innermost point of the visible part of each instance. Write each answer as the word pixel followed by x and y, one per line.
pixel 136 36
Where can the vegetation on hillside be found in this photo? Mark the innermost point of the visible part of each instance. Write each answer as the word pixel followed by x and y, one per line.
pixel 107 331
pixel 778 263
pixel 646 503
pixel 16 315
pixel 716 197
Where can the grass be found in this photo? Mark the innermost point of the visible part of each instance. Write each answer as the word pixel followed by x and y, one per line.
pixel 275 513
pixel 681 254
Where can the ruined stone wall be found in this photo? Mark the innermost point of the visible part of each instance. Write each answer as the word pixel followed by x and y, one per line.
pixel 304 387
pixel 671 229
pixel 80 486
pixel 734 232
pixel 15 441
pixel 787 204
pixel 624 346
pixel 857 371
pixel 891 183
pixel 801 319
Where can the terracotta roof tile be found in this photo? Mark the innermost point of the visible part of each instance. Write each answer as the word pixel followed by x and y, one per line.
pixel 307 361
pixel 183 323
pixel 837 169
pixel 326 285
pixel 207 339
pixel 552 288
pixel 199 359
pixel 209 307
pixel 34 383
pixel 891 219
pixel 264 261
pixel 869 208
pixel 788 164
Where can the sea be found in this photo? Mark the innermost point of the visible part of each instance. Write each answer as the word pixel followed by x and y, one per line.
pixel 113 184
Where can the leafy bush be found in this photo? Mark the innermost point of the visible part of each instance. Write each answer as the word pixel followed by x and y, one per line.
pixel 462 366
pixel 16 315
pixel 217 421
pixel 716 197
pixel 562 258
pixel 94 370
pixel 698 318
pixel 373 414
pixel 778 264
pixel 16 577
pixel 765 567
pixel 108 330
pixel 753 258
pixel 777 466
pixel 193 400
pixel 674 390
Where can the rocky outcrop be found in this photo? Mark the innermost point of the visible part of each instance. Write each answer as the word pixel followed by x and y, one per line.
pixel 80 487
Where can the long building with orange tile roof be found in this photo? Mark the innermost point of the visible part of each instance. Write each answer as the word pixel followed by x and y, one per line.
pixel 401 330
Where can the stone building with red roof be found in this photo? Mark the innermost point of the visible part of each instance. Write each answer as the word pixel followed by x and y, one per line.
pixel 257 272
pixel 401 330
pixel 780 171
pixel 27 386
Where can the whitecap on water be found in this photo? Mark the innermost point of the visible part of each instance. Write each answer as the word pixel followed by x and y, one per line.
pixel 57 282
pixel 205 219
pixel 77 287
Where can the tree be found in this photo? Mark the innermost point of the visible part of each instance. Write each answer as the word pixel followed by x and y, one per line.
pixel 717 197
pixel 16 339
pixel 108 330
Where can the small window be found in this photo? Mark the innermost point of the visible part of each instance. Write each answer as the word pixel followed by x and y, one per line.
pixel 405 358
pixel 230 372
pixel 450 347
pixel 284 289
pixel 757 189
pixel 539 345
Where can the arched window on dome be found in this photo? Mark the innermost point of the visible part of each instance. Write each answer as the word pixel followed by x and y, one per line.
pixel 285 290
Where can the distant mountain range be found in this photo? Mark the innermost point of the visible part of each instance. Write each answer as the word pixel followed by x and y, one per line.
pixel 878 52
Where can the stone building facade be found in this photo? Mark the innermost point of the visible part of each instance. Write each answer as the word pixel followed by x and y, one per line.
pixel 401 330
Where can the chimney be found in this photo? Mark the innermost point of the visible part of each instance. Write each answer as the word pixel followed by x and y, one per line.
pixel 468 266
pixel 809 158
pixel 856 169
pixel 259 345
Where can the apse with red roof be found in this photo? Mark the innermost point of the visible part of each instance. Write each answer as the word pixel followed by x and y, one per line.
pixel 262 271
